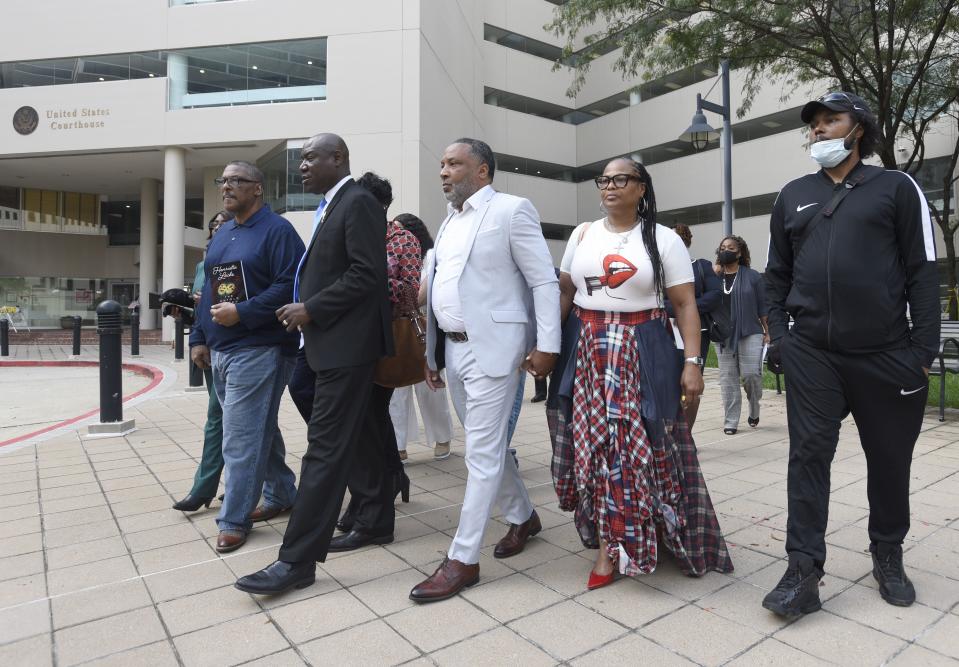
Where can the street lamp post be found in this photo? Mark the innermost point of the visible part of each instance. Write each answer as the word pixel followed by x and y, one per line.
pixel 700 133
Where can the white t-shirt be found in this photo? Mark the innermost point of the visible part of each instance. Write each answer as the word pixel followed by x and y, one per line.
pixel 612 272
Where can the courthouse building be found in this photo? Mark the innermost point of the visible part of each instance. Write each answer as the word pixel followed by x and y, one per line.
pixel 116 116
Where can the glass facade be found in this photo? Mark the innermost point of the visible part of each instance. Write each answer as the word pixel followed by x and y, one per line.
pixel 85 69
pixel 122 220
pixel 248 74
pixel 49 302
pixel 283 188
pixel 260 73
pixel 33 210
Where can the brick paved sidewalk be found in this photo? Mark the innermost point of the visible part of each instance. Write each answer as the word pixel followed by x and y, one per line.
pixel 96 568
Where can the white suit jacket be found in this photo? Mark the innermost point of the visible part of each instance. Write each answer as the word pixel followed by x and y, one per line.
pixel 508 288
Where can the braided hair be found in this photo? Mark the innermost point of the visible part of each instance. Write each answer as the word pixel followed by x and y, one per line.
pixel 646 213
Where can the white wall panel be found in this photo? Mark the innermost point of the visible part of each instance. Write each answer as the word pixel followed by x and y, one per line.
pixel 530 136
pixel 60 28
pixel 517 72
pixel 554 200
pixel 604 137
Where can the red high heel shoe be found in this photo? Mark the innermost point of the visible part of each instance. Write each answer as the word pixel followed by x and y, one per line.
pixel 599 580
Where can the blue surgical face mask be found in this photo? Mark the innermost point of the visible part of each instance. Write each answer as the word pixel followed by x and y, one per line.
pixel 830 152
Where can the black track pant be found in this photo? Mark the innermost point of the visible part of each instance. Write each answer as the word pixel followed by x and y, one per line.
pixel 886 394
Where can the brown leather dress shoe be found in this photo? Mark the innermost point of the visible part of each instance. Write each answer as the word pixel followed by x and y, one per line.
pixel 264 513
pixel 515 539
pixel 449 579
pixel 229 540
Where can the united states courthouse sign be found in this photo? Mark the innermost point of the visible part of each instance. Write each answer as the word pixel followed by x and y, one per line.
pixel 81 117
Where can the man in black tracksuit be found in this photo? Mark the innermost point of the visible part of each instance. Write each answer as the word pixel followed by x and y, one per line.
pixel 851 247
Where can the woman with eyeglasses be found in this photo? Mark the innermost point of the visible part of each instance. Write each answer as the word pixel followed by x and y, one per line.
pixel 624 460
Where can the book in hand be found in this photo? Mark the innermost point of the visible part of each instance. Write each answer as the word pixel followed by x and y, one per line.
pixel 227 282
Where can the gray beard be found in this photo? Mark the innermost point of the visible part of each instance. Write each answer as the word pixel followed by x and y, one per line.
pixel 459 193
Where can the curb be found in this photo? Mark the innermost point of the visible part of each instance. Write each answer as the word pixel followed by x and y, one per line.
pixel 155 374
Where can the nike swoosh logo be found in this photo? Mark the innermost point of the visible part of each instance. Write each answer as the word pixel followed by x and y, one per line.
pixel 911 391
pixel 800 208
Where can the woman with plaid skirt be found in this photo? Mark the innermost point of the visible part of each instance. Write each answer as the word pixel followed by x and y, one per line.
pixel 623 458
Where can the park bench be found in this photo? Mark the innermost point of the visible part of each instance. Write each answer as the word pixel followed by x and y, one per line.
pixel 947 360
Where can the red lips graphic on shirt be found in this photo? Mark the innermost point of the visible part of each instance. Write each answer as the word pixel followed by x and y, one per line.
pixel 616 271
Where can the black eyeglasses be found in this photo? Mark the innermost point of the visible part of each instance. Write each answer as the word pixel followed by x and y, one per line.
pixel 233 181
pixel 619 180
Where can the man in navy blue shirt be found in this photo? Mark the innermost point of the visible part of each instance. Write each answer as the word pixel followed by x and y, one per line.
pixel 249 267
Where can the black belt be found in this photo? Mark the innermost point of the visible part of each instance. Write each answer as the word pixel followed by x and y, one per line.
pixel 457 336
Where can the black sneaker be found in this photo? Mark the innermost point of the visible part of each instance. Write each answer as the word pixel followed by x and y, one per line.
pixel 894 586
pixel 797 593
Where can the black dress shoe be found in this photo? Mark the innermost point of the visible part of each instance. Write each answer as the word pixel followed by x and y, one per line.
pixel 894 586
pixel 355 539
pixel 278 578
pixel 538 398
pixel 797 593
pixel 192 503
pixel 753 422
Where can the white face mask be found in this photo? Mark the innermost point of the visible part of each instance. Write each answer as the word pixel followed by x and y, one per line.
pixel 830 152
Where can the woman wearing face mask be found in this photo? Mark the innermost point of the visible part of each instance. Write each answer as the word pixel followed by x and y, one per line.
pixel 741 355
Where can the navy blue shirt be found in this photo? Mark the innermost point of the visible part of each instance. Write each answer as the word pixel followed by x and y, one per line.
pixel 270 249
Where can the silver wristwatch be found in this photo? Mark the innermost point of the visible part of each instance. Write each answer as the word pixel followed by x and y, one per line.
pixel 695 360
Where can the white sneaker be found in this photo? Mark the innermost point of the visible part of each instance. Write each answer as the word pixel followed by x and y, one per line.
pixel 441 451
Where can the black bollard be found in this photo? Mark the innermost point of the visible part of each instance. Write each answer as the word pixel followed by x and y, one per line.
pixel 196 375
pixel 111 382
pixel 135 333
pixel 77 321
pixel 4 338
pixel 178 339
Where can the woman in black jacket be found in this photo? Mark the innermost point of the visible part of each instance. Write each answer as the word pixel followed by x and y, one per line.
pixel 741 355
pixel 709 297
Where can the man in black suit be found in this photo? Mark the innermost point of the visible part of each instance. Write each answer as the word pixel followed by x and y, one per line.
pixel 342 308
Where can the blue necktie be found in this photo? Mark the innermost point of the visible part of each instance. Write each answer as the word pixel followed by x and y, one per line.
pixel 317 218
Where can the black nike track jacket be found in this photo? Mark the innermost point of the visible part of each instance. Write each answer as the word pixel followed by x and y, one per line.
pixel 849 283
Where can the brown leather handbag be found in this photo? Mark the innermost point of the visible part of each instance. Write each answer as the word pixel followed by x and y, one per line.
pixel 404 368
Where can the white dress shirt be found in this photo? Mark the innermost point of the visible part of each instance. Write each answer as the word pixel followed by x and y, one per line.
pixel 450 257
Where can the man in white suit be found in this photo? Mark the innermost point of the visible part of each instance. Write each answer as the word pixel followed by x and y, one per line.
pixel 492 313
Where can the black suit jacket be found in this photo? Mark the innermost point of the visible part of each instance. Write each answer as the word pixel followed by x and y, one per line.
pixel 343 284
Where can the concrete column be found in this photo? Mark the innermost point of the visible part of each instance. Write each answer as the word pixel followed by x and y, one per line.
pixel 176 71
pixel 149 189
pixel 212 199
pixel 174 220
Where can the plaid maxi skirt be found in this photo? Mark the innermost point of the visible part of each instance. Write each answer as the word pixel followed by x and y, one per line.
pixel 625 475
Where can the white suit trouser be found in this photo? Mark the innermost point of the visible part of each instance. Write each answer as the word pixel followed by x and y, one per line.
pixel 435 408
pixel 483 405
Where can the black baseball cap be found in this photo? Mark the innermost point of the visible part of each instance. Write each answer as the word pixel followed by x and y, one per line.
pixel 837 101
